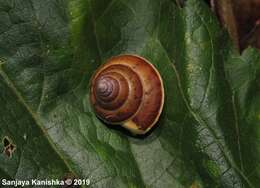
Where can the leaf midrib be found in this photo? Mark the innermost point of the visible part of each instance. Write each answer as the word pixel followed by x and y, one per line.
pixel 200 120
pixel 196 116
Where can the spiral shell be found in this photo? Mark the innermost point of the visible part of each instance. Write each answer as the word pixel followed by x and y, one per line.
pixel 128 90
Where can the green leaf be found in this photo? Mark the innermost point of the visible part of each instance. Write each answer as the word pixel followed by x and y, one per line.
pixel 207 136
pixel 243 73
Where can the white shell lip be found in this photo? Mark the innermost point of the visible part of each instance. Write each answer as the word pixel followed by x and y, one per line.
pixel 128 124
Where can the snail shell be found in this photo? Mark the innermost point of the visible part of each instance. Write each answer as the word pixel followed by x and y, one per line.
pixel 127 90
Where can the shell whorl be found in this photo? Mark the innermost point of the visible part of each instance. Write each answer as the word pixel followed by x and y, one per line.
pixel 127 90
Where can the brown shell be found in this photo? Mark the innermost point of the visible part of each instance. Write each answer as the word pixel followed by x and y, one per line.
pixel 128 90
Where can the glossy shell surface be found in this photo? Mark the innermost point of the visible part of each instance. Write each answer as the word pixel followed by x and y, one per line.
pixel 128 90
